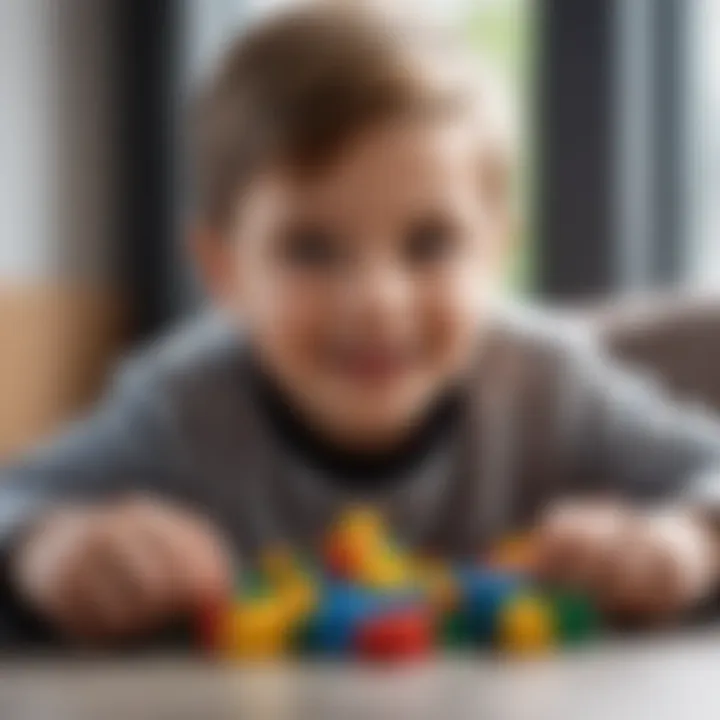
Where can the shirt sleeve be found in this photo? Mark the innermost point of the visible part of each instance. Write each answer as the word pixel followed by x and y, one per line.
pixel 631 438
pixel 130 443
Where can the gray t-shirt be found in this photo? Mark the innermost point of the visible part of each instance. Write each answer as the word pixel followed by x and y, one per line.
pixel 547 415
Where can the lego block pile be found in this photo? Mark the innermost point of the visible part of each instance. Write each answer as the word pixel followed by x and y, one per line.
pixel 369 598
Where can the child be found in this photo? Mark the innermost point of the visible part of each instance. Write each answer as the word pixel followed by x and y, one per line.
pixel 354 215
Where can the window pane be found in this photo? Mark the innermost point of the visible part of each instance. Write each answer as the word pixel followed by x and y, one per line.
pixel 704 145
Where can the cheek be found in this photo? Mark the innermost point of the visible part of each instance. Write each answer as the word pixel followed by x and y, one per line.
pixel 286 317
pixel 453 307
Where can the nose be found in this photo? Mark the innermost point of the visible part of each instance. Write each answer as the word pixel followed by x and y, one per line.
pixel 378 295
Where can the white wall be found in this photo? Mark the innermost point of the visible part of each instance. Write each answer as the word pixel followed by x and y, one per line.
pixel 56 139
pixel 703 171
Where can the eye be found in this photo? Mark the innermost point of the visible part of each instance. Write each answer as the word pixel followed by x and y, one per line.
pixel 431 239
pixel 311 247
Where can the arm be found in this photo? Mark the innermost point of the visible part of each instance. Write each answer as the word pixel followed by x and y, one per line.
pixel 654 550
pixel 630 438
pixel 131 443
pixel 130 446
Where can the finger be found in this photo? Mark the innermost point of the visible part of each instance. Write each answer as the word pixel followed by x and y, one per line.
pixel 64 564
pixel 672 577
pixel 107 589
pixel 663 593
pixel 122 586
pixel 577 544
pixel 70 607
pixel 197 560
pixel 688 546
pixel 564 557
pixel 139 572
pixel 630 576
pixel 647 582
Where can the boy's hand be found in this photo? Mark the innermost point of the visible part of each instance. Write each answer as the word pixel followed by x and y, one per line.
pixel 636 565
pixel 104 572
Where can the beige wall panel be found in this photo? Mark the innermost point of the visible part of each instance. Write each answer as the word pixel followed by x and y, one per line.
pixel 57 344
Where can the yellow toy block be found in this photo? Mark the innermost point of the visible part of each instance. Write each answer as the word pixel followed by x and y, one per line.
pixel 386 570
pixel 258 629
pixel 526 626
pixel 298 598
pixel 279 565
pixel 362 527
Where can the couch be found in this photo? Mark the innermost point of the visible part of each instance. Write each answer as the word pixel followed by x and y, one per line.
pixel 677 339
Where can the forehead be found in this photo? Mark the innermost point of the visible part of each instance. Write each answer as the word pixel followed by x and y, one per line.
pixel 386 169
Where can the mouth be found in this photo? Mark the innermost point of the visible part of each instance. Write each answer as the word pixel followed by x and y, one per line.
pixel 373 364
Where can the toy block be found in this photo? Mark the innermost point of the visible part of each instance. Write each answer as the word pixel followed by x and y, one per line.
pixel 358 536
pixel 252 584
pixel 483 593
pixel 332 628
pixel 437 583
pixel 343 560
pixel 385 570
pixel 212 625
pixel 401 634
pixel 526 625
pixel 279 565
pixel 299 598
pixel 455 631
pixel 364 524
pixel 258 629
pixel 373 599
pixel 517 553
pixel 577 618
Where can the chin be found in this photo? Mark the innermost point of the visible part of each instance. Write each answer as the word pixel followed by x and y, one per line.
pixel 381 419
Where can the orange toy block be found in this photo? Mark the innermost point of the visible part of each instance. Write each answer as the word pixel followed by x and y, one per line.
pixel 353 542
pixel 517 553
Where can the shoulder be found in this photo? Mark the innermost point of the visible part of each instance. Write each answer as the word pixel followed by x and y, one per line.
pixel 541 342
pixel 540 330
pixel 202 352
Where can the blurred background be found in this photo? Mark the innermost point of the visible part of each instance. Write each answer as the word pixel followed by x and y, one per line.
pixel 621 167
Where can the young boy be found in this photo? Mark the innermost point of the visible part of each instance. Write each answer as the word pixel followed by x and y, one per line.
pixel 354 215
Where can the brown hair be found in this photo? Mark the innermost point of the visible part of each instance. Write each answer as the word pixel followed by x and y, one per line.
pixel 298 86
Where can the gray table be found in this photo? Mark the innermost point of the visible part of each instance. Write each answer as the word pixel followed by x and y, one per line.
pixel 676 676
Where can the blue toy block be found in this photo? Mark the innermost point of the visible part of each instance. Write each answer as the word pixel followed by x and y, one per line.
pixel 483 592
pixel 331 630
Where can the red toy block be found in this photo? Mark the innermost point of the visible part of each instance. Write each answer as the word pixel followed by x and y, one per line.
pixel 401 634
pixel 212 625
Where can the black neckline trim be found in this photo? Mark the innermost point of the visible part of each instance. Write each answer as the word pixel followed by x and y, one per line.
pixel 354 469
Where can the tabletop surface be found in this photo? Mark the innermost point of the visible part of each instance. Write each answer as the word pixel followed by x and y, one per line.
pixel 668 677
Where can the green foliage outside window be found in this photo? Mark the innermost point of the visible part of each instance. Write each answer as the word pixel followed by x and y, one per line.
pixel 504 31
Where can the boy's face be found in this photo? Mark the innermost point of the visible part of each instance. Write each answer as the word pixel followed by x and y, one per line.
pixel 363 287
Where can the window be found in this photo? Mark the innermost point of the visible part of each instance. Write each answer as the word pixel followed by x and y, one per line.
pixel 505 32
pixel 703 140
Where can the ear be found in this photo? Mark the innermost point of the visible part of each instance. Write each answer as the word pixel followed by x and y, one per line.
pixel 215 260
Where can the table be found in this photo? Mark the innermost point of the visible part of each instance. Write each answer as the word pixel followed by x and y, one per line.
pixel 661 677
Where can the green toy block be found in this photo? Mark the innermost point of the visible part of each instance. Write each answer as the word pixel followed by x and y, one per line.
pixel 455 631
pixel 577 617
pixel 302 641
